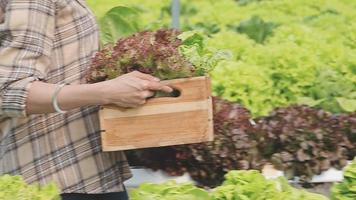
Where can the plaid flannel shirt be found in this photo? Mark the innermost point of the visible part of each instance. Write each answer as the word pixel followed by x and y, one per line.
pixel 52 41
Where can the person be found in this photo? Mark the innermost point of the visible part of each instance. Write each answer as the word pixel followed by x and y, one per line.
pixel 48 115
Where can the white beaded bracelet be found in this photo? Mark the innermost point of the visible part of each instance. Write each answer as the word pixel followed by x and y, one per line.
pixel 54 98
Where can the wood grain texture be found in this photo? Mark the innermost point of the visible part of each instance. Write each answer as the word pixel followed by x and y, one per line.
pixel 162 121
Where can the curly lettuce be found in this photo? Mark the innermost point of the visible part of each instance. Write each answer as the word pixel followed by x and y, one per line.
pixel 346 190
pixel 15 188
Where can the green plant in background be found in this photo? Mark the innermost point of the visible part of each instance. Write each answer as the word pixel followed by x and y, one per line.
pixel 302 50
pixel 333 92
pixel 117 23
pixel 252 185
pixel 195 49
pixel 346 190
pixel 169 191
pixel 100 8
pixel 239 185
pixel 257 29
pixel 237 80
pixel 14 188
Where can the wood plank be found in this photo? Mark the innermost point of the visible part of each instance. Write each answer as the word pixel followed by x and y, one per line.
pixel 155 109
pixel 210 132
pixel 156 130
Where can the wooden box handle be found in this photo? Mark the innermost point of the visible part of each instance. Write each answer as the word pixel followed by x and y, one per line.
pixel 186 87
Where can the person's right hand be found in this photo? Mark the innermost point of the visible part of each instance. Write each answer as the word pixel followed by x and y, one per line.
pixel 131 90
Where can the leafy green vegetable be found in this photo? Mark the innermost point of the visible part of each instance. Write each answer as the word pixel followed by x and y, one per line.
pixel 239 185
pixel 195 50
pixel 251 185
pixel 346 190
pixel 14 188
pixel 117 23
pixel 169 191
pixel 311 53
pixel 165 53
pixel 348 105
pixel 256 28
pixel 333 91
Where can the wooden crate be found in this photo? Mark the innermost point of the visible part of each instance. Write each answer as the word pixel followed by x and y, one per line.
pixel 162 121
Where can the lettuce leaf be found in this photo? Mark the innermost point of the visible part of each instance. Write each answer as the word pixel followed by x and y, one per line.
pixel 14 187
pixel 118 22
pixel 346 190
pixel 251 185
pixel 169 191
pixel 239 185
pixel 195 49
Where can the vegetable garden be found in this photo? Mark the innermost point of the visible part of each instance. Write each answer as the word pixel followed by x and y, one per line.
pixel 284 86
pixel 289 72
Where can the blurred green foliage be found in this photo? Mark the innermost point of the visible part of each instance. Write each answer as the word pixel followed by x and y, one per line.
pixel 285 52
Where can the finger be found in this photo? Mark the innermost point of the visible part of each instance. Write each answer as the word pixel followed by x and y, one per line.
pixel 157 86
pixel 147 94
pixel 167 89
pixel 144 76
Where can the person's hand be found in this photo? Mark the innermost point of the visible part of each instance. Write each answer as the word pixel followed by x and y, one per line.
pixel 131 90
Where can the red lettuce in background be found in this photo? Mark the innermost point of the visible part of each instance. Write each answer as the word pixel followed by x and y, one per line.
pixel 303 141
pixel 299 140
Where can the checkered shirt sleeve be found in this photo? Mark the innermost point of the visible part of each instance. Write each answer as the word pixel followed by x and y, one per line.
pixel 27 35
